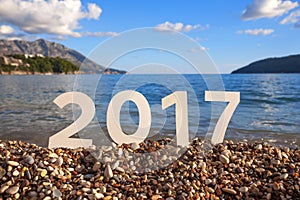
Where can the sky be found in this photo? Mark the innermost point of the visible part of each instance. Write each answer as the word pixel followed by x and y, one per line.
pixel 233 33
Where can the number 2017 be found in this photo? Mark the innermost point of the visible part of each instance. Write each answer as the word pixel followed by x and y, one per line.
pixel 177 98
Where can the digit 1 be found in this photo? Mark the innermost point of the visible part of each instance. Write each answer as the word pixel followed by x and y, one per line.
pixel 179 98
pixel 113 117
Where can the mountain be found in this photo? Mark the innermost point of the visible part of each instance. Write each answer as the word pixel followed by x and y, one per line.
pixel 287 64
pixel 50 49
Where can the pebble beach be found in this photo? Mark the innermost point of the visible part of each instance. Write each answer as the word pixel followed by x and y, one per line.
pixel 232 170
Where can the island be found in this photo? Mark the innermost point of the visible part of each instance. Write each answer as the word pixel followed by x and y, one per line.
pixel 287 64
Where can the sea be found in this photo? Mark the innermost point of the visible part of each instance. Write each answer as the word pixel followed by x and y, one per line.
pixel 269 107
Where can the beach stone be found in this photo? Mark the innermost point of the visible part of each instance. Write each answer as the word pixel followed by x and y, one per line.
pixel 12 190
pixel 27 174
pixel 53 155
pixel 260 170
pixel 99 196
pixel 102 189
pixel 275 162
pixel 135 146
pixel 29 160
pixel 226 153
pixel 244 189
pixel 224 159
pixel 240 170
pixel 107 159
pixel 230 191
pixel 43 173
pixel 32 194
pixel 13 163
pixel 259 147
pixel 276 186
pixel 59 161
pixel 120 169
pixel 107 148
pixel 16 173
pixel 3 188
pixel 108 173
pixel 284 176
pixel 96 166
pixel 115 165
pixel 208 181
pixel 2 172
pixel 156 197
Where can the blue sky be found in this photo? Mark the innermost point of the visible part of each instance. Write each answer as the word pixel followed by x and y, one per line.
pixel 234 33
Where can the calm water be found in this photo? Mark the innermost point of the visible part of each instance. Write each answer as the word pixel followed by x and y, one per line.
pixel 269 106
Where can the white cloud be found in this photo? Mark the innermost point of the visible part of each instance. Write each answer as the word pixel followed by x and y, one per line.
pixel 292 18
pixel 268 9
pixel 100 34
pixel 180 27
pixel 5 30
pixel 94 11
pixel 256 31
pixel 58 17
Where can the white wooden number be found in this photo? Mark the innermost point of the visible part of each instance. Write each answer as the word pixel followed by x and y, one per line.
pixel 233 98
pixel 62 138
pixel 178 98
pixel 113 117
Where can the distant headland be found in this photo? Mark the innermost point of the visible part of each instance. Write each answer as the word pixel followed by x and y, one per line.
pixel 287 64
pixel 44 57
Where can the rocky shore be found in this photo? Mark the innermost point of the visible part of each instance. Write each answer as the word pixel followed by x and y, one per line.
pixel 228 171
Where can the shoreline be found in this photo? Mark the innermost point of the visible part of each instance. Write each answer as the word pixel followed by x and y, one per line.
pixel 232 170
pixel 21 73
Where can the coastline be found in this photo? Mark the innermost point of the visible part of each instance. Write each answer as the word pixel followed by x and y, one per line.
pixel 232 170
pixel 21 73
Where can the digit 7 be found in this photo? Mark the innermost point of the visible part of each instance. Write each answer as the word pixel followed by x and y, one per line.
pixel 234 99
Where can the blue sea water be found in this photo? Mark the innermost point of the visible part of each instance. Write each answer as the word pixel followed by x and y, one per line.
pixel 269 105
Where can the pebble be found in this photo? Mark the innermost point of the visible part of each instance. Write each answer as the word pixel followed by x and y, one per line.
pixel 3 188
pixel 12 163
pixel 57 193
pixel 2 172
pixel 120 169
pixel 249 171
pixel 224 159
pixel 96 166
pixel 29 160
pixel 16 173
pixel 53 155
pixel 59 161
pixel 208 181
pixel 135 146
pixel 240 170
pixel 99 195
pixel 107 159
pixel 259 147
pixel 32 194
pixel 43 173
pixel 244 189
pixel 284 176
pixel 230 191
pixel 276 186
pixel 12 190
pixel 115 165
pixel 108 173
